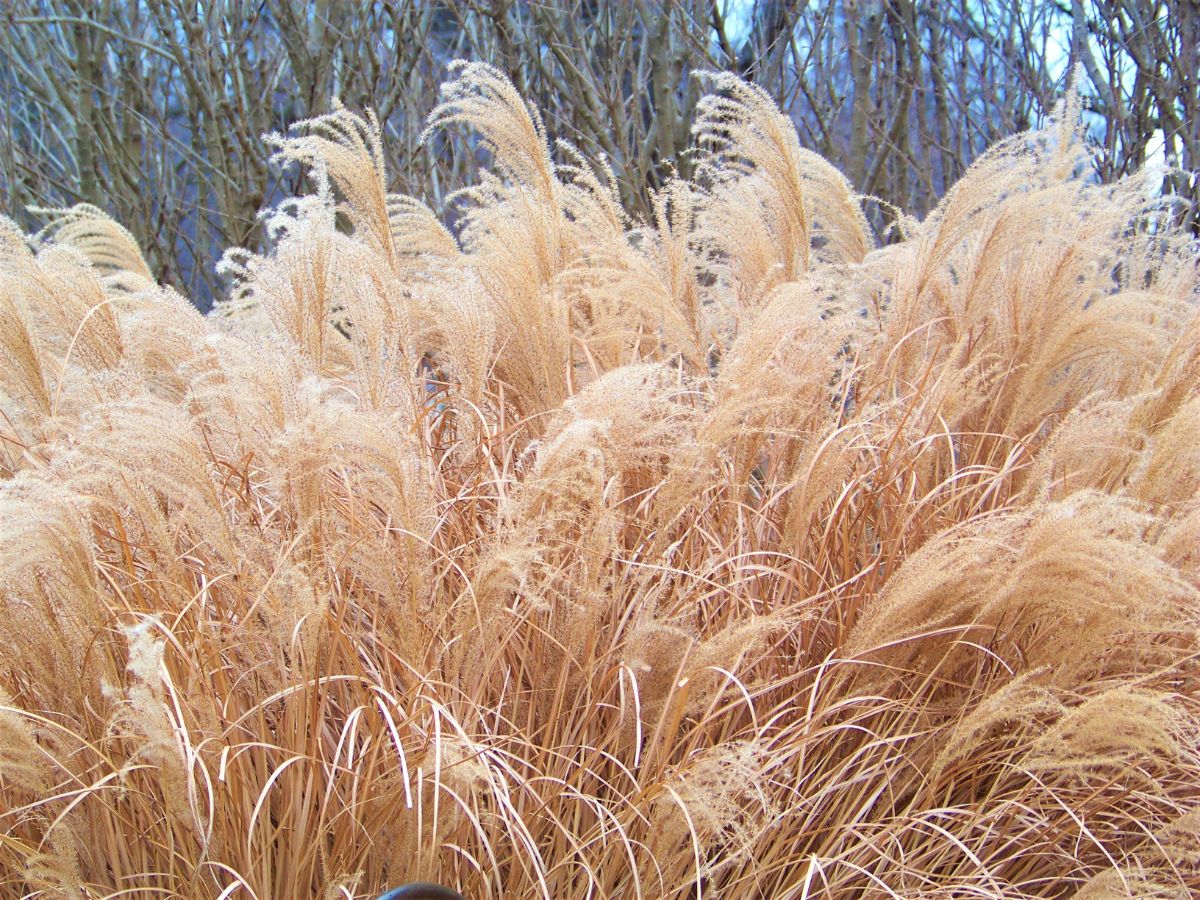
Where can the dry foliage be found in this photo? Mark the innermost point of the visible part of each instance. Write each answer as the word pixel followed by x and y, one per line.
pixel 720 554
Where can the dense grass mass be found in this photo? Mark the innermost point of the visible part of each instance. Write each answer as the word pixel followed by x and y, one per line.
pixel 722 555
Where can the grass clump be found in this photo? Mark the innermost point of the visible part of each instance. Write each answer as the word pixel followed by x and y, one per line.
pixel 724 554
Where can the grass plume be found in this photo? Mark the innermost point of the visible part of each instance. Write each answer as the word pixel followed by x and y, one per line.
pixel 723 554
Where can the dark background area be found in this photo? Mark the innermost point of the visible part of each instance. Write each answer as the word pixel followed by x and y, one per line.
pixel 154 111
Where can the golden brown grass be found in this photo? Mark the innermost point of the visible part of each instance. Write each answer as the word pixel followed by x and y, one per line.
pixel 721 555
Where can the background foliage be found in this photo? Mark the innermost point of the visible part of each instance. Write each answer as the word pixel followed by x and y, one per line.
pixel 154 110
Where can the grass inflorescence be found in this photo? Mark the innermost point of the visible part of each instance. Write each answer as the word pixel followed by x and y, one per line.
pixel 725 554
